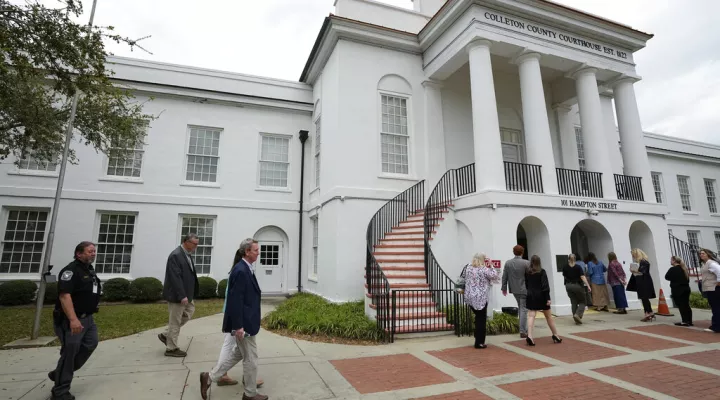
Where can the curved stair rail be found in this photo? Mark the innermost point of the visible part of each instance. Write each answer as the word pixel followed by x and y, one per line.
pixel 688 252
pixel 453 184
pixel 388 216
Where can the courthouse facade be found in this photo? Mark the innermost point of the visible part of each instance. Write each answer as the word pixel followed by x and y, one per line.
pixel 521 97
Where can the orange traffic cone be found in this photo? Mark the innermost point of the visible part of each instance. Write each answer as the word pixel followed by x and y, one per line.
pixel 663 307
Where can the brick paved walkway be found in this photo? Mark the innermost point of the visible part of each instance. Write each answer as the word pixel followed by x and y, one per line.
pixel 606 358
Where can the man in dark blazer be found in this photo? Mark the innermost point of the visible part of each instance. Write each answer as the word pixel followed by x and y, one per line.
pixel 181 287
pixel 241 319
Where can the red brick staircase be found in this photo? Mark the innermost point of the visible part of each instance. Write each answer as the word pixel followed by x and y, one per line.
pixel 401 257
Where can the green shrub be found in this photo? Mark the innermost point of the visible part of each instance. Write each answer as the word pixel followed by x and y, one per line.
pixel 500 324
pixel 308 314
pixel 116 289
pixel 222 286
pixel 208 287
pixel 51 293
pixel 697 301
pixel 14 293
pixel 145 290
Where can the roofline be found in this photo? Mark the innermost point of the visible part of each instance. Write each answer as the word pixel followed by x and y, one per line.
pixel 595 17
pixel 676 139
pixel 561 6
pixel 316 46
pixel 323 31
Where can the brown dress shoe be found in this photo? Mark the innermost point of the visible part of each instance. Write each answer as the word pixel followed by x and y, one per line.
pixel 256 397
pixel 523 335
pixel 258 383
pixel 204 385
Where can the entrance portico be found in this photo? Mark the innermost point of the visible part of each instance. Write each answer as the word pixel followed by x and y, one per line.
pixel 556 69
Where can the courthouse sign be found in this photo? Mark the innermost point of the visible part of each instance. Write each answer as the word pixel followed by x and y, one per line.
pixel 555 35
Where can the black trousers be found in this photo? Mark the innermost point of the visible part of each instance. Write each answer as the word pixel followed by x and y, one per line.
pixel 75 350
pixel 480 320
pixel 646 305
pixel 682 302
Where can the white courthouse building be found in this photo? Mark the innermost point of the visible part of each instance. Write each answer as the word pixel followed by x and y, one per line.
pixel 517 99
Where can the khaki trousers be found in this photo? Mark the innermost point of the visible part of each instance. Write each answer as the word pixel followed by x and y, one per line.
pixel 179 316
pixel 246 350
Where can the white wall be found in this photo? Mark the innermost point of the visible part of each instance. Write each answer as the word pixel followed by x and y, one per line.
pixel 382 14
pixel 161 194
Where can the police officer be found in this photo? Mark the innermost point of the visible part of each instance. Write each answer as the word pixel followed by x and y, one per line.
pixel 78 298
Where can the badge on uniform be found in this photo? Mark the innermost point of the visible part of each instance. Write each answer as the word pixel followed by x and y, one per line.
pixel 66 276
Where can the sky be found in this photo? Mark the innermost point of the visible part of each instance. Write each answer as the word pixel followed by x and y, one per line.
pixel 679 94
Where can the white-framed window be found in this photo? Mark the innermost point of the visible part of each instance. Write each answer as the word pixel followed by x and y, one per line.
pixel 129 166
pixel 512 141
pixel 717 241
pixel 684 189
pixel 202 226
pixel 694 238
pixel 315 246
pixel 274 161
pixel 710 193
pixel 29 163
pixel 203 154
pixel 580 148
pixel 317 152
pixel 394 135
pixel 23 241
pixel 658 187
pixel 115 242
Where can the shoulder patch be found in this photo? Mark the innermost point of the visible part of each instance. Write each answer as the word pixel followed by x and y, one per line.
pixel 66 276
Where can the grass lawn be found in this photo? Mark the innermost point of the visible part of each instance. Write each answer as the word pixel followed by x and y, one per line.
pixel 113 320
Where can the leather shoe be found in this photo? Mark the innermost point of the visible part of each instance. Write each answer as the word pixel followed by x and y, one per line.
pixel 204 384
pixel 258 383
pixel 523 335
pixel 256 397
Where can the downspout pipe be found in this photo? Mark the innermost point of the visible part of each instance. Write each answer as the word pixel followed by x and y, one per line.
pixel 303 137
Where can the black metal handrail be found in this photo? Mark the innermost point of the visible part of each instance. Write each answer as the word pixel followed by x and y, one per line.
pixel 521 177
pixel 573 182
pixel 629 187
pixel 425 310
pixel 453 184
pixel 688 252
pixel 388 216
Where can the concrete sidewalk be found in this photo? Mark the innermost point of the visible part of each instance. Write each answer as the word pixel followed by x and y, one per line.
pixel 595 357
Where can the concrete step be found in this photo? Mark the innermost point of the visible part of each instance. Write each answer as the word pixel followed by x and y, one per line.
pixel 399 246
pixel 401 257
pixel 406 286
pixel 416 296
pixel 420 324
pixel 401 263
pixel 407 235
pixel 434 327
pixel 404 278
pixel 403 305
pixel 402 242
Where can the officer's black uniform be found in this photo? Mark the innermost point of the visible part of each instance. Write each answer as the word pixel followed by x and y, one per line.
pixel 80 281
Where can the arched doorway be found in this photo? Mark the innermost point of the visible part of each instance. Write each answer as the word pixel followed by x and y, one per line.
pixel 641 237
pixel 589 236
pixel 532 234
pixel 270 268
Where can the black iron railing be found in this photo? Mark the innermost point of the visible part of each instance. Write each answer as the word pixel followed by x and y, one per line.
pixel 388 216
pixel 453 184
pixel 521 177
pixel 629 187
pixel 424 310
pixel 688 252
pixel 572 182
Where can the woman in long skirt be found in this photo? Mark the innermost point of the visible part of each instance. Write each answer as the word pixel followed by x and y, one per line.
pixel 616 280
pixel 600 296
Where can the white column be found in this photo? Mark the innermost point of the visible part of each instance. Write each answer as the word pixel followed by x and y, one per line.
pixel 489 168
pixel 568 141
pixel 434 134
pixel 593 131
pixel 538 147
pixel 611 134
pixel 634 153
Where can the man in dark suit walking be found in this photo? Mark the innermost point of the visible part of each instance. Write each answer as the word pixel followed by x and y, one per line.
pixel 242 320
pixel 514 277
pixel 181 287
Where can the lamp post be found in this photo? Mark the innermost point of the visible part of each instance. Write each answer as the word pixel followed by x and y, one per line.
pixel 56 204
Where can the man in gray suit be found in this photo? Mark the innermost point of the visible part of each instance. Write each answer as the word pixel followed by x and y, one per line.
pixel 181 287
pixel 514 276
